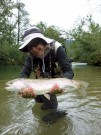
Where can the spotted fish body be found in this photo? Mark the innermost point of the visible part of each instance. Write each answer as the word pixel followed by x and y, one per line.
pixel 43 86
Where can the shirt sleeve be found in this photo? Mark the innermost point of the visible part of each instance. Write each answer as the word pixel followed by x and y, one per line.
pixel 64 63
pixel 27 68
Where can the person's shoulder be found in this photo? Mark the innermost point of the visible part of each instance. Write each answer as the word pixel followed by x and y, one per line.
pixel 57 45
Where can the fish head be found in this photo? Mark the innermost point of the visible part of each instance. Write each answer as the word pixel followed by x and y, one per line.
pixel 15 85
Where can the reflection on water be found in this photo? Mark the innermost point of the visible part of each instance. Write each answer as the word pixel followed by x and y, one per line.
pixel 20 116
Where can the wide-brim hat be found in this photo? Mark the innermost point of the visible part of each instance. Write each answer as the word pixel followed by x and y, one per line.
pixel 31 34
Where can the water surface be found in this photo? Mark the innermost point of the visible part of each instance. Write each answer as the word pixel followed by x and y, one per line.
pixel 20 116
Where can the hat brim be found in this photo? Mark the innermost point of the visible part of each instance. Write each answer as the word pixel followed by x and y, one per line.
pixel 24 48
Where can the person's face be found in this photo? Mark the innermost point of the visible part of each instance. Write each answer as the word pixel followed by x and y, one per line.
pixel 38 51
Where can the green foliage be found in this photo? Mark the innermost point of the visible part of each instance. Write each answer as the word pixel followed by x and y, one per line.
pixel 52 32
pixel 87 44
pixel 13 21
pixel 22 21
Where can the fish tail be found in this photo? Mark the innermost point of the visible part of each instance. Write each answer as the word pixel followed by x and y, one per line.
pixel 83 85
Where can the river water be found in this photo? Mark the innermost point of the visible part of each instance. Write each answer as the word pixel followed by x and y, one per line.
pixel 19 116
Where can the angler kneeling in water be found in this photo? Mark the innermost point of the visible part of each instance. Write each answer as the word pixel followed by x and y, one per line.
pixel 47 58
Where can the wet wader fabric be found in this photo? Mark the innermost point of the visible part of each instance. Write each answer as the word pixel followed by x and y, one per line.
pixel 52 103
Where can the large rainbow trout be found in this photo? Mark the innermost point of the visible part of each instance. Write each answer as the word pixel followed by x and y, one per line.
pixel 30 88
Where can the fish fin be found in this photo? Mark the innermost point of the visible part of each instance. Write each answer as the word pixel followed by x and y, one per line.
pixel 47 96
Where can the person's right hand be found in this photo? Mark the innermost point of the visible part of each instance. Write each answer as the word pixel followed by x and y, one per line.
pixel 27 93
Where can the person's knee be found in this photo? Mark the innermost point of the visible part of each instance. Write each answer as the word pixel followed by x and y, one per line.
pixel 38 99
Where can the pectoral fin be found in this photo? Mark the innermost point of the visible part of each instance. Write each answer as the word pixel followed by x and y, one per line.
pixel 47 96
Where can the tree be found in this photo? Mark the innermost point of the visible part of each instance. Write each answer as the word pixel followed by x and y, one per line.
pixel 87 44
pixel 22 21
pixel 8 28
pixel 52 32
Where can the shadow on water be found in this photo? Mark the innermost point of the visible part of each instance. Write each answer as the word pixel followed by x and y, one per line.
pixel 25 118
pixel 62 125
pixel 82 109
